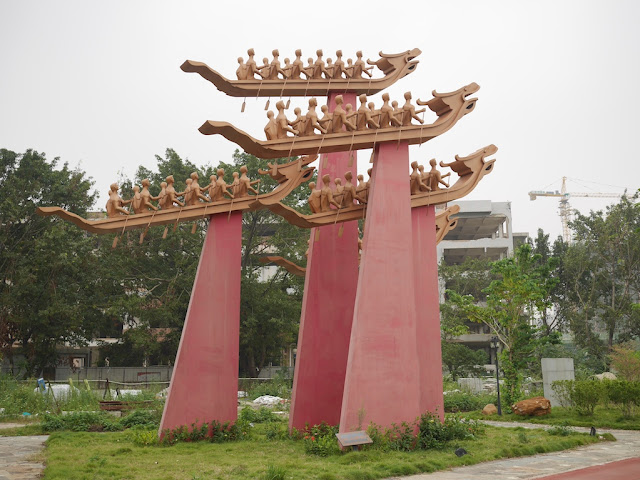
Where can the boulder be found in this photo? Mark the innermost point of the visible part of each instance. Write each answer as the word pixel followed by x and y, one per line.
pixel 489 409
pixel 533 407
pixel 606 376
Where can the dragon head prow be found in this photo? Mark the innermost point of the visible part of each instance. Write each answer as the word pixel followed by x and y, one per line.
pixel 388 62
pixel 481 152
pixel 288 170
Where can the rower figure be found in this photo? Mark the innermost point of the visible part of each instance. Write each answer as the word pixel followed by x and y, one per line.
pixel 409 111
pixel 365 116
pixel 271 130
pixel 435 178
pixel 221 188
pixel 170 197
pixel 387 117
pixel 326 197
pixel 245 184
pixel 115 204
pixel 314 198
pixel 349 192
pixel 360 67
pixel 311 123
pixel 415 181
pixel 282 124
pixel 252 67
pixel 146 195
pixel 196 190
pixel 339 117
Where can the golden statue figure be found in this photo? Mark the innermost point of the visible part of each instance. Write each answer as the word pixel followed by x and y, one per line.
pixel 221 188
pixel 271 130
pixel 415 182
pixel 146 196
pixel 339 117
pixel 282 124
pixel 196 191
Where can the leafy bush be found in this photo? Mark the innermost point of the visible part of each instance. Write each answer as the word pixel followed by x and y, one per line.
pixel 213 431
pixel 586 395
pixel 321 440
pixel 262 415
pixel 149 419
pixel 81 422
pixel 433 434
pixel 626 362
pixel 276 431
pixel 455 402
pixel 624 393
pixel 143 437
pixel 583 395
pixel 278 386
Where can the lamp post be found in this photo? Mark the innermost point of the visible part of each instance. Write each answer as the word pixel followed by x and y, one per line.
pixel 494 343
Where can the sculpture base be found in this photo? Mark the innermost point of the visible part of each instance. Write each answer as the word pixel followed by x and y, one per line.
pixel 381 384
pixel 204 385
pixel 327 309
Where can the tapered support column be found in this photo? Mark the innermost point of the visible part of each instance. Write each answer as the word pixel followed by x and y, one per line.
pixel 425 274
pixel 204 385
pixel 382 381
pixel 327 308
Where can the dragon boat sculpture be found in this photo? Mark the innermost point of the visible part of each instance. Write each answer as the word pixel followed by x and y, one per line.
pixel 392 66
pixel 289 176
pixel 444 223
pixel 449 108
pixel 470 169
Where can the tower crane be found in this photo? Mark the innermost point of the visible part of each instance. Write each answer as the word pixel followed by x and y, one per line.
pixel 565 208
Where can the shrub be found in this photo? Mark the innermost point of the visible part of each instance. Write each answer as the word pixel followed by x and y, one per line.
pixel 213 431
pixel 455 402
pixel 262 415
pixel 583 395
pixel 624 393
pixel 149 419
pixel 143 437
pixel 81 422
pixel 433 434
pixel 321 440
pixel 274 473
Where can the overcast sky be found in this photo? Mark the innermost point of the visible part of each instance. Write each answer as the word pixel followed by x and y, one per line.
pixel 99 85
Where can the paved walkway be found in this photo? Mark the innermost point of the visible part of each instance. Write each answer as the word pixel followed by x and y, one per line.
pixel 540 466
pixel 16 457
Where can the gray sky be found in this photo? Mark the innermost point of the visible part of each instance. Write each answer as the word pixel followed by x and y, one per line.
pixel 99 85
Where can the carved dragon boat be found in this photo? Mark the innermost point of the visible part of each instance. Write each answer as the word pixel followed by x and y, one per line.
pixel 470 169
pixel 289 176
pixel 449 107
pixel 393 66
pixel 444 223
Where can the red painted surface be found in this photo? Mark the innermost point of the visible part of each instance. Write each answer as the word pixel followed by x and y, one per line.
pixel 204 385
pixel 327 308
pixel 425 274
pixel 622 470
pixel 382 383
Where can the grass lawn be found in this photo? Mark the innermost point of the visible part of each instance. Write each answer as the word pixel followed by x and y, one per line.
pixel 602 418
pixel 72 456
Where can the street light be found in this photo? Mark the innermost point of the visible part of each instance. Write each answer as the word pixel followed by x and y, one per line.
pixel 495 342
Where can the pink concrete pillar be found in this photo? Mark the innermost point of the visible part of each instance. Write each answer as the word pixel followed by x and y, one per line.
pixel 327 308
pixel 382 381
pixel 204 385
pixel 425 274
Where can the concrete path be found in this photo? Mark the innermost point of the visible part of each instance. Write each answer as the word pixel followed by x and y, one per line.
pixel 16 457
pixel 540 466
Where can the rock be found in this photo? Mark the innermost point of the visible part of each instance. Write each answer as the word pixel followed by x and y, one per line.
pixel 606 376
pixel 489 409
pixel 268 400
pixel 533 407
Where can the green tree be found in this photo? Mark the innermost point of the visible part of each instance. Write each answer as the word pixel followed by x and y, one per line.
pixel 48 272
pixel 602 277
pixel 513 303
